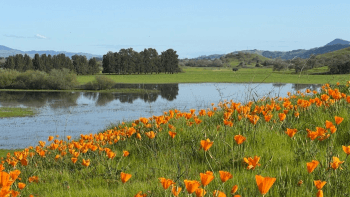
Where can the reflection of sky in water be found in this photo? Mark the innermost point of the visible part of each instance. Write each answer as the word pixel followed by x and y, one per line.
pixel 85 113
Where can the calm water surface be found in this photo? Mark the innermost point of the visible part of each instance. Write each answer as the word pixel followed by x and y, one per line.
pixel 75 113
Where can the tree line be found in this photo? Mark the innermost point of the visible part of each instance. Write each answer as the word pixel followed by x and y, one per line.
pixel 128 61
pixel 79 63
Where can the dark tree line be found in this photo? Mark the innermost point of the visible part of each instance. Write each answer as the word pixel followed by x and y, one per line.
pixel 128 61
pixel 79 64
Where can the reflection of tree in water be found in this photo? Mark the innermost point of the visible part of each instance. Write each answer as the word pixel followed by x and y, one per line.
pixel 297 87
pixel 91 95
pixel 167 91
pixel 278 84
pixel 39 99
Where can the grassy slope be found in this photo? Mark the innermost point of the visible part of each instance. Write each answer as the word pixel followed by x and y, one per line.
pixel 235 61
pixel 199 75
pixel 345 51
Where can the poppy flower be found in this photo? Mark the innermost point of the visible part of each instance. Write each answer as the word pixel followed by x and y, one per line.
pixel 111 154
pixel 234 189
pixel 206 144
pixel 239 139
pixel 69 137
pixel 329 124
pixel 4 178
pixel 139 194
pixel 300 182
pixel 172 134
pixel 338 119
pixel 125 153
pixel 336 163
pixel 217 193
pixel 268 117
pixel 166 182
pixel 264 183
pixel 291 132
pixel 200 192
pixel 228 123
pixel 74 159
pixel 206 178
pixel 176 190
pixel 191 186
pixel 86 163
pixel 252 162
pixel 319 184
pixel 224 176
pixel 319 193
pixel 125 177
pixel 311 165
pixel 282 116
pixel 346 149
pixel 50 138
pixel 21 185
pixel 33 179
pixel 150 134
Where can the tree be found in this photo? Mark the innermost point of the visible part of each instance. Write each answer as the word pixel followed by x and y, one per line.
pixel 37 62
pixel 169 61
pixel 108 63
pixel 93 66
pixel 28 62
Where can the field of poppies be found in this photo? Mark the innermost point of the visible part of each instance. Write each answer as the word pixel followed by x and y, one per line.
pixel 294 146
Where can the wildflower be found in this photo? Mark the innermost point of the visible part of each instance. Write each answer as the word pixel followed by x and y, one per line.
pixel 311 165
pixel 33 179
pixel 172 134
pixel 86 163
pixel 176 190
pixel 21 185
pixel 139 194
pixel 125 153
pixel 200 192
pixel 300 182
pixel 219 194
pixel 252 162
pixel 74 159
pixel 206 144
pixel 50 138
pixel 228 123
pixel 111 154
pixel 338 119
pixel 264 183
pixel 125 177
pixel 346 149
pixel 4 178
pixel 291 132
pixel 319 193
pixel 69 137
pixel 150 134
pixel 191 186
pixel 336 163
pixel 333 129
pixel 239 139
pixel 282 116
pixel 329 124
pixel 224 176
pixel 166 182
pixel 234 189
pixel 319 184
pixel 206 178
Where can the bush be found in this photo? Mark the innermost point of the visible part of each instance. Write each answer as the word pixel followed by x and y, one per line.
pixel 7 77
pixel 100 83
pixel 31 80
pixel 62 79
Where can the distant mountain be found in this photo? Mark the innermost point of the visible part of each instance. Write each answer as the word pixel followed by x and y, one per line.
pixel 338 41
pixel 211 57
pixel 6 51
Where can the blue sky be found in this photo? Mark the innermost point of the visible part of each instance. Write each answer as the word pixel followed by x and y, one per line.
pixel 192 28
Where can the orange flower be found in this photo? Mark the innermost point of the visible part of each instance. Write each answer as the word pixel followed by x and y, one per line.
pixel 139 194
pixel 291 132
pixel 33 179
pixel 166 182
pixel 329 124
pixel 338 119
pixel 268 117
pixel 150 134
pixel 206 178
pixel 124 177
pixel 191 186
pixel 252 163
pixel 111 154
pixel 228 123
pixel 311 165
pixel 234 189
pixel 74 159
pixel 239 139
pixel 319 184
pixel 172 134
pixel 176 190
pixel 217 193
pixel 264 183
pixel 300 182
pixel 224 176
pixel 69 137
pixel 14 174
pixel 206 144
pixel 50 138
pixel 21 185
pixel 4 178
pixel 282 116
pixel 319 193
pixel 200 192
pixel 86 163
pixel 125 153
pixel 336 163
pixel 346 149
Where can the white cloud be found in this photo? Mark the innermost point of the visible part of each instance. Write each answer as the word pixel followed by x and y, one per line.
pixel 40 36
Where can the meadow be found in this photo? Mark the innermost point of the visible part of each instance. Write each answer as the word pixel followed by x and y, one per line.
pixel 226 75
pixel 293 146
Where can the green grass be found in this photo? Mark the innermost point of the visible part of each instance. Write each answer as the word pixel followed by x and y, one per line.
pixel 226 75
pixel 180 158
pixel 120 90
pixel 345 51
pixel 7 112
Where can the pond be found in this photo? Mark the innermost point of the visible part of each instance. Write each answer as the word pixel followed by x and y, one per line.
pixel 75 113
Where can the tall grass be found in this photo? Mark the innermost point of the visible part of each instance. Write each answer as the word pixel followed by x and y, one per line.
pixel 182 158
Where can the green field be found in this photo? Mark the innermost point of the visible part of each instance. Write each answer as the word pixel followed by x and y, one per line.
pixel 6 112
pixel 226 75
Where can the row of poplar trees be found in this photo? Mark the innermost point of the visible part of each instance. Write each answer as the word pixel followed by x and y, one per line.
pixel 79 63
pixel 128 61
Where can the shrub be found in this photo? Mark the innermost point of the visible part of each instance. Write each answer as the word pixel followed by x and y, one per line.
pixel 100 83
pixel 62 79
pixel 7 77
pixel 31 80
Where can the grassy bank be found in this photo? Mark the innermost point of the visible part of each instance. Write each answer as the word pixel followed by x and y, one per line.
pixel 181 145
pixel 6 112
pixel 226 75
pixel 120 90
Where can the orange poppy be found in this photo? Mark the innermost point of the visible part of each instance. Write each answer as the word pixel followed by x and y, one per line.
pixel 311 165
pixel 300 182
pixel 50 138
pixel 319 184
pixel 74 159
pixel 33 179
pixel 217 193
pixel 346 149
pixel 268 117
pixel 282 116
pixel 336 163
pixel 191 186
pixel 338 119
pixel 264 183
pixel 139 194
pixel 69 137
pixel 228 123
pixel 86 163
pixel 206 144
pixel 125 177
pixel 4 178
pixel 291 132
pixel 166 182
pixel 319 193
pixel 176 190
pixel 329 124
pixel 150 134
pixel 234 189
pixel 125 153
pixel 206 178
pixel 252 162
pixel 224 176
pixel 21 185
pixel 172 134
pixel 111 154
pixel 200 192
pixel 239 139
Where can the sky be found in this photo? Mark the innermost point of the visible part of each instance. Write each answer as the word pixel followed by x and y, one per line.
pixel 192 28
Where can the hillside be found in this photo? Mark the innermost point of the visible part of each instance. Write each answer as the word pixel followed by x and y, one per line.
pixel 338 41
pixel 249 59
